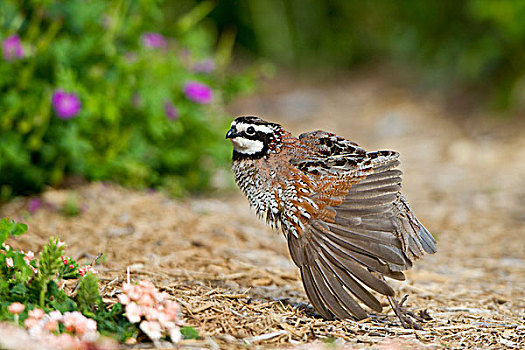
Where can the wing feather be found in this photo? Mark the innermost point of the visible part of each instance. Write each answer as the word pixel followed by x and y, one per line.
pixel 313 293
pixel 366 230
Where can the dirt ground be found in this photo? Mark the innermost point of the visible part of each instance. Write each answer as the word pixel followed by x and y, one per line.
pixel 464 177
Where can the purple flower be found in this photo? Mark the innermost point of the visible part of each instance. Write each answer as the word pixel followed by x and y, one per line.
pixel 170 110
pixel 12 48
pixel 66 105
pixel 198 92
pixel 34 204
pixel 153 40
pixel 204 66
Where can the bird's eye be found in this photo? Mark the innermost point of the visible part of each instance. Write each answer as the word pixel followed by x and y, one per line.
pixel 250 130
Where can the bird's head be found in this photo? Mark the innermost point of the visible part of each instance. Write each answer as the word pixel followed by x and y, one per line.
pixel 253 138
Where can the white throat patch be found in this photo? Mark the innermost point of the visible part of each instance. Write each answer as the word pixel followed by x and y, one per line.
pixel 246 146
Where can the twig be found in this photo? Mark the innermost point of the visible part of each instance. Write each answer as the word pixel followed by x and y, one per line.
pixel 103 289
pixel 94 261
pixel 261 337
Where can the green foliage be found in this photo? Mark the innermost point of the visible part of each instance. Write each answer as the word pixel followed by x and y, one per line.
pixel 49 265
pixel 96 51
pixel 88 296
pixel 112 322
pixel 10 228
pixel 474 44
pixel 19 283
pixel 189 333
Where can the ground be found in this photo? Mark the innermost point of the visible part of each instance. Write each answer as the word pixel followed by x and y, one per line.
pixel 465 180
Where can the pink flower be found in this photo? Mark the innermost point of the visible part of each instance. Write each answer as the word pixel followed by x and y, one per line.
pixel 145 300
pixel 29 256
pixel 126 287
pixel 153 40
pixel 59 243
pixel 34 204
pixel 87 268
pixel 161 314
pixel 75 321
pixel 67 341
pixel 152 314
pixel 6 247
pixel 123 299
pixel 152 329
pixel 170 110
pixel 31 322
pixel 161 297
pixel 16 308
pixel 198 92
pixel 36 313
pixel 12 48
pixel 147 285
pixel 134 293
pixel 51 325
pixel 133 312
pixel 66 105
pixel 9 262
pixel 171 309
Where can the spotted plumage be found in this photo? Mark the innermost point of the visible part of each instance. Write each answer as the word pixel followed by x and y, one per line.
pixel 339 207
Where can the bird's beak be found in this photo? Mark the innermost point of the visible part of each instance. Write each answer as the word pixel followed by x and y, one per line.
pixel 231 134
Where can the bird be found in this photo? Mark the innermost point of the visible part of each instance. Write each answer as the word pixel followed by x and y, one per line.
pixel 340 208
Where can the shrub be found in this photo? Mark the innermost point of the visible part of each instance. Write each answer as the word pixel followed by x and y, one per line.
pixel 33 294
pixel 111 90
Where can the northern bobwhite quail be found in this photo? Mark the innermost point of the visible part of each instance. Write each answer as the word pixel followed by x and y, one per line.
pixel 340 209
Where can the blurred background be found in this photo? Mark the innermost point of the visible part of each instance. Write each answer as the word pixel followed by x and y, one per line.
pixel 136 91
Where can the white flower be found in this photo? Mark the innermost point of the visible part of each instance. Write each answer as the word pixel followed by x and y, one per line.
pixel 91 325
pixel 175 335
pixel 55 315
pixel 124 299
pixel 36 313
pixel 133 312
pixel 152 329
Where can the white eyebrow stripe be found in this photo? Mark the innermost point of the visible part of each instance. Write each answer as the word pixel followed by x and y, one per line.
pixel 261 128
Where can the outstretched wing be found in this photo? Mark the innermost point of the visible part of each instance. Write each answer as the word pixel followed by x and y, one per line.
pixel 369 229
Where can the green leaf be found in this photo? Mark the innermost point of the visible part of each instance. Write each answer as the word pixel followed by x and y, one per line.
pixel 189 333
pixel 19 288
pixel 12 227
pixel 67 305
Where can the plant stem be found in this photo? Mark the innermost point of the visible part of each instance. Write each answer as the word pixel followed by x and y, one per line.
pixel 43 294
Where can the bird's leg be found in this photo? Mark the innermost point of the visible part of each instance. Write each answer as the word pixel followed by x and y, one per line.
pixel 405 317
pixel 402 314
pixel 408 319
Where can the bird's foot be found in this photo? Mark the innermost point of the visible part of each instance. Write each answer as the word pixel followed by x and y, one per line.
pixel 407 318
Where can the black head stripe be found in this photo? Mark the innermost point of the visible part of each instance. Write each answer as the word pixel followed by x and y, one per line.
pixel 255 121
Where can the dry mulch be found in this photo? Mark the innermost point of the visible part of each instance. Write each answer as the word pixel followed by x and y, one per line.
pixel 233 276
